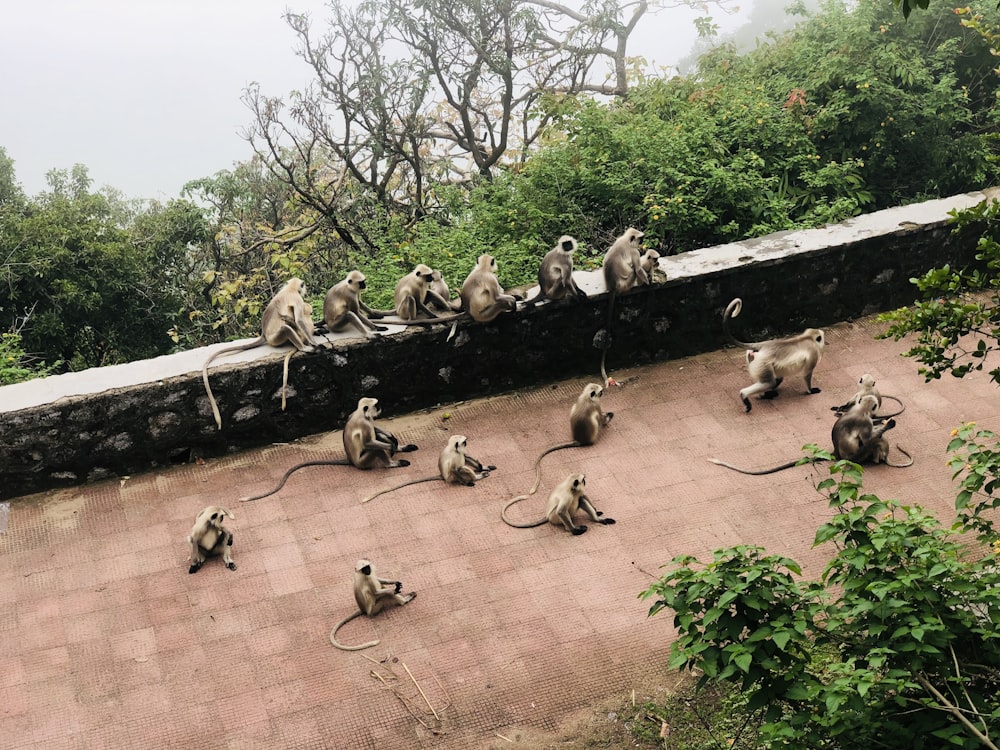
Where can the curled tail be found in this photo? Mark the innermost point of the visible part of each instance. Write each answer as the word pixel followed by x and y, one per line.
pixel 733 309
pixel 533 524
pixel 900 466
pixel 342 623
pixel 399 487
pixel 759 472
pixel 543 454
pixel 342 462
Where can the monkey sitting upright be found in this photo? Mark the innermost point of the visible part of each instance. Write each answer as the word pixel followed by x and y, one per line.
pixel 566 500
pixel 622 269
pixel 455 466
pixel 287 318
pixel 366 444
pixel 210 537
pixel 855 437
pixel 555 275
pixel 867 388
pixel 372 594
pixel 482 296
pixel 343 307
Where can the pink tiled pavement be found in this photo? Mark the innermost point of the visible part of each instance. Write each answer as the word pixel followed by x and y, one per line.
pixel 107 642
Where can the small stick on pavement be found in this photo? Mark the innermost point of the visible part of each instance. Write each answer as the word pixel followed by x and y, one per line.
pixel 641 570
pixel 424 695
pixel 504 738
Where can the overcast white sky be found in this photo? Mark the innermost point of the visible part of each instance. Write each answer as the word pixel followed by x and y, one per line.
pixel 146 93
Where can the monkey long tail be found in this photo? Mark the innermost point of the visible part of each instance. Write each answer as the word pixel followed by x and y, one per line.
pixel 543 454
pixel 341 646
pixel 396 321
pixel 902 408
pixel 732 310
pixel 284 380
pixel 204 372
pixel 759 472
pixel 503 515
pixel 900 466
pixel 401 486
pixel 605 380
pixel 342 462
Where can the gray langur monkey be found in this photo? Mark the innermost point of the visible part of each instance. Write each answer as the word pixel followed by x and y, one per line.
pixel 455 466
pixel 867 388
pixel 413 292
pixel 209 537
pixel 286 319
pixel 566 500
pixel 372 594
pixel 770 362
pixel 555 274
pixel 482 296
pixel 649 260
pixel 343 307
pixel 366 444
pixel 622 269
pixel 855 438
pixel 440 288
pixel 586 423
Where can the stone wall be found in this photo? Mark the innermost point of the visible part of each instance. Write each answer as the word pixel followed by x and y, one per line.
pixel 82 427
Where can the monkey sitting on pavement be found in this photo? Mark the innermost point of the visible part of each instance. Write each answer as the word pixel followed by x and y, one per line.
pixel 770 362
pixel 372 594
pixel 586 422
pixel 867 383
pixel 566 500
pixel 555 275
pixel 366 444
pixel 855 438
pixel 286 319
pixel 455 466
pixel 209 537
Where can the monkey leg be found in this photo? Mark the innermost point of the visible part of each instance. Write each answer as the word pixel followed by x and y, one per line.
pixel 566 519
pixel 464 475
pixel 592 512
pixel 764 388
pixel 809 386
pixel 504 303
pixel 227 552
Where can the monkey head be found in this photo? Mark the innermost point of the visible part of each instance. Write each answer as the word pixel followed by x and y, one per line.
pixel 216 515
pixel 866 381
pixel 424 273
pixel 364 567
pixel 357 279
pixel 458 443
pixel 869 403
pixel 633 235
pixel 487 263
pixel 578 483
pixel 567 244
pixel 369 407
pixel 594 391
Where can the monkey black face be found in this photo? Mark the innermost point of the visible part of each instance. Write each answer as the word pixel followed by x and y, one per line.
pixel 567 245
pixel 366 570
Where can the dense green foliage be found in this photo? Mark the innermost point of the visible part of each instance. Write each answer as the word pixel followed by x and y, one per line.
pixel 851 110
pixel 895 646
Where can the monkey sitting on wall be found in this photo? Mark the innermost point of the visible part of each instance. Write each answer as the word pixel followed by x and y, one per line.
pixel 209 537
pixel 286 319
pixel 455 466
pixel 482 296
pixel 770 362
pixel 555 275
pixel 566 500
pixel 622 269
pixel 343 307
pixel 372 594
pixel 855 438
pixel 366 444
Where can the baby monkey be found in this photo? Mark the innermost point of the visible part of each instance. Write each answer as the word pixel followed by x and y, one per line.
pixel 372 594
pixel 566 500
pixel 210 537
pixel 867 388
